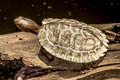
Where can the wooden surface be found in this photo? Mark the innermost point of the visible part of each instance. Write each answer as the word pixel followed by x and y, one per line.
pixel 23 48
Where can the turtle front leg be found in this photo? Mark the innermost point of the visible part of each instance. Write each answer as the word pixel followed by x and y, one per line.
pixel 48 56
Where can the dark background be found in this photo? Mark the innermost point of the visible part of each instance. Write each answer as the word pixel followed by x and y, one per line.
pixel 88 11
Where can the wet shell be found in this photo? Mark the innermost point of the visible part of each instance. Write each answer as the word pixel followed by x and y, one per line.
pixel 72 40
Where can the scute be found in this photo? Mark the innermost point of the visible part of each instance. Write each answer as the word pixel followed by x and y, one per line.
pixel 72 40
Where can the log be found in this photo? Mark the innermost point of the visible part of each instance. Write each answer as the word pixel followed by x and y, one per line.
pixel 18 48
pixel 23 49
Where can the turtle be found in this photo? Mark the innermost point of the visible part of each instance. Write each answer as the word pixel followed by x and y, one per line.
pixel 68 39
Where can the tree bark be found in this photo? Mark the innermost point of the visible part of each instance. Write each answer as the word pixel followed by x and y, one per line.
pixel 23 49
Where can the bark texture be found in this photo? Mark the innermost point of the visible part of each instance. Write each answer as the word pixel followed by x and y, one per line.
pixel 23 49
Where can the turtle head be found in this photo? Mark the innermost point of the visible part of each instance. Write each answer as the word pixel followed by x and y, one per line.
pixel 26 24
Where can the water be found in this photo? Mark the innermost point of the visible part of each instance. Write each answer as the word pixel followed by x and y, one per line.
pixel 88 11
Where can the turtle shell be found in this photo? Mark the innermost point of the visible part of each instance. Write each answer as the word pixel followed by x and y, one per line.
pixel 72 40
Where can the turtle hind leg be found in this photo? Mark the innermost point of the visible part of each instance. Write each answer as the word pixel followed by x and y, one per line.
pixel 113 33
pixel 115 28
pixel 113 39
